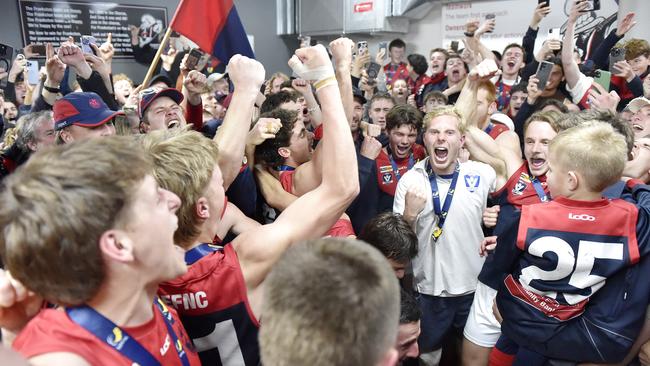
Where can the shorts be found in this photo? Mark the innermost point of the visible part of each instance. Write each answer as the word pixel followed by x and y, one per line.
pixel 439 316
pixel 482 328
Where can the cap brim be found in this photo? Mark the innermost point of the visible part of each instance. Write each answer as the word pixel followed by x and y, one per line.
pixel 101 118
pixel 637 103
pixel 172 93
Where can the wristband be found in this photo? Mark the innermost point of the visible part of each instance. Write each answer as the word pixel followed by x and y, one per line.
pixel 330 80
pixel 469 34
pixel 51 89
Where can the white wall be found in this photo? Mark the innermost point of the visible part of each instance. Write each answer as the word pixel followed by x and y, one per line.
pixel 426 33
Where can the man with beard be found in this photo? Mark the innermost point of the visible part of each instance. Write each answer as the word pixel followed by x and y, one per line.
pixel 518 182
pixel 358 103
pixel 511 62
pixel 381 168
pixel 443 200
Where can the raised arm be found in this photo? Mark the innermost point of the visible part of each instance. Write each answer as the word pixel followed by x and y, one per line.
pixel 570 66
pixel 311 215
pixel 247 75
pixel 308 175
pixel 480 145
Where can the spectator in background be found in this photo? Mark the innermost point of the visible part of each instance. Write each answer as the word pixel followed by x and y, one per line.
pixel 34 131
pixel 123 87
pixel 419 81
pixel 79 116
pixel 396 68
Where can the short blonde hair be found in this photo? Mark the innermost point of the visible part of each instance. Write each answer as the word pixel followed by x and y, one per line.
pixel 594 150
pixel 183 163
pixel 330 302
pixel 447 110
pixel 56 207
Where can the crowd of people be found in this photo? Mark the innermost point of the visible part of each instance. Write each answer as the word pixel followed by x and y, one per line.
pixel 476 207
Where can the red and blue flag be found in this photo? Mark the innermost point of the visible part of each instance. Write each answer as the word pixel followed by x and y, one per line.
pixel 214 26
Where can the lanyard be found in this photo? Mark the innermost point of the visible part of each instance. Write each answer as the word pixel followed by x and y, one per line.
pixel 539 189
pixel 121 341
pixel 396 168
pixel 441 212
pixel 489 128
pixel 198 252
pixel 285 168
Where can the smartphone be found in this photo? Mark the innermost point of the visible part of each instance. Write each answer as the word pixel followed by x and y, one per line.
pixel 454 46
pixel 593 5
pixel 193 58
pixel 543 73
pixel 86 41
pixel 362 47
pixel 6 55
pixel 384 46
pixel 373 70
pixel 603 78
pixel 554 33
pixel 615 55
pixel 547 2
pixel 32 74
pixel 490 17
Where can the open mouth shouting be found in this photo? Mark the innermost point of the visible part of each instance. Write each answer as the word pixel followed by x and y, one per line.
pixel 440 154
pixel 536 163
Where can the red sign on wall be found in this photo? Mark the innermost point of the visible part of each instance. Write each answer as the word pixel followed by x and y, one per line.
pixel 363 7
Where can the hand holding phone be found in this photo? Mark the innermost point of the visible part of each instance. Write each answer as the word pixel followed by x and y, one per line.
pixel 193 59
pixel 615 55
pixel 543 74
pixel 86 41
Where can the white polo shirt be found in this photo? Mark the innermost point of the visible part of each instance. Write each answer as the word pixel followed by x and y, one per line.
pixel 449 266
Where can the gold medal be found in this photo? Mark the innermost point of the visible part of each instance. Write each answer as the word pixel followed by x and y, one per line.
pixel 435 234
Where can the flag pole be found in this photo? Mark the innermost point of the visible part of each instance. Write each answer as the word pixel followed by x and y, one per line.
pixel 154 63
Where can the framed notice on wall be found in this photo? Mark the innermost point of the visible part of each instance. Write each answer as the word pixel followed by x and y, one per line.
pixel 54 21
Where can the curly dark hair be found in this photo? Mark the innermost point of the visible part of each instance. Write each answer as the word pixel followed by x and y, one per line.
pixel 267 151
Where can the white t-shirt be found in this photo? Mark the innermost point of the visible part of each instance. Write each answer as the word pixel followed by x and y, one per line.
pixel 450 266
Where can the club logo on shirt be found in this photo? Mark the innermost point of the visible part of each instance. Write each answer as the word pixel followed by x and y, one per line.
pixel 117 339
pixel 387 178
pixel 521 185
pixel 472 181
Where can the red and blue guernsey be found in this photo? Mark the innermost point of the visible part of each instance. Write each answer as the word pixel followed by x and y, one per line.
pixel 212 302
pixel 562 253
pixel 522 188
pixel 214 26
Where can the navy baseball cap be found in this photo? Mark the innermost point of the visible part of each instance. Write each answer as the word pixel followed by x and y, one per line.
pixel 149 95
pixel 82 109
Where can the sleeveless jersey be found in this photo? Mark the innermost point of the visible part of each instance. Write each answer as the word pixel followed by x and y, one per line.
pixel 517 192
pixel 341 228
pixel 569 250
pixel 386 176
pixel 212 302
pixel 53 331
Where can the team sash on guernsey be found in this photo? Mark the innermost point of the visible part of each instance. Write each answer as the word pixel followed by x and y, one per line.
pixel 114 336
